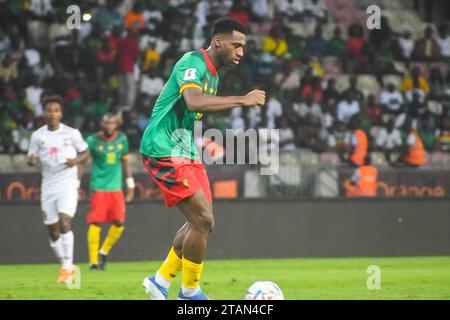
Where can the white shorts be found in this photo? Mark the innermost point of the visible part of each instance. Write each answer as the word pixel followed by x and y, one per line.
pixel 53 204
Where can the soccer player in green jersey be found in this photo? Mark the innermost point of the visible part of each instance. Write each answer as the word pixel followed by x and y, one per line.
pixel 109 151
pixel 169 153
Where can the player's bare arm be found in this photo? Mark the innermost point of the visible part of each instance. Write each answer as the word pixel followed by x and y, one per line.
pixel 197 101
pixel 128 178
pixel 82 156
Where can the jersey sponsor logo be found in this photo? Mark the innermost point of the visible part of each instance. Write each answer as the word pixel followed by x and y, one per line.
pixel 189 74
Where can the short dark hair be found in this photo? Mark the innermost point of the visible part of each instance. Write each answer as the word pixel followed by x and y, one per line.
pixel 53 98
pixel 227 25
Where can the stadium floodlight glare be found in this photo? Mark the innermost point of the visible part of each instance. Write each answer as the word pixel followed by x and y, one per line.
pixel 87 16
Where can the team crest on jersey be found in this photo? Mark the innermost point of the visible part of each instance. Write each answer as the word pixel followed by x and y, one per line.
pixel 189 74
pixel 100 148
pixel 198 115
pixel 185 183
pixel 119 146
pixel 110 147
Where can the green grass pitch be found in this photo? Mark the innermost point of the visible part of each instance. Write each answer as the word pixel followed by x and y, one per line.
pixel 340 278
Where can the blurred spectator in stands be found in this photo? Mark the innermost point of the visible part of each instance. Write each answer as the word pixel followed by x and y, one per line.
pixel 389 141
pixel 356 50
pixel 287 137
pixel 364 181
pixel 33 93
pixel 218 8
pixel 241 12
pixel 153 16
pixel 17 48
pixel 316 45
pixel 109 17
pixel 364 117
pixel 347 108
pixel 339 139
pixel 151 83
pixel 309 134
pixel 275 42
pixel 415 82
pixel 40 12
pixel 392 102
pixel 308 110
pixel 427 48
pixel 316 10
pixel 90 126
pixel 377 37
pixel 384 59
pixel 88 50
pixel 414 154
pixel 21 135
pixel 8 69
pixel 290 10
pixel 359 143
pixel 151 57
pixel 274 110
pixel 337 47
pixel 134 19
pixel 127 54
pixel 5 43
pixel 353 88
pixel 259 9
pixel 264 68
pixel 406 45
pixel 43 70
pixel 314 89
pixel 437 84
pixel 373 109
pixel 289 78
pixel 106 58
pixel 236 120
pixel 331 96
pixel 99 105
pixel 443 40
pixel 443 136
pixel 427 133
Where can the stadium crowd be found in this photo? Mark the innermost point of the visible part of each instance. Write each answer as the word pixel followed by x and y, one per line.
pixel 119 58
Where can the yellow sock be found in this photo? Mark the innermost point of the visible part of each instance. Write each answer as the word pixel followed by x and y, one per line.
pixel 93 243
pixel 171 266
pixel 191 274
pixel 114 234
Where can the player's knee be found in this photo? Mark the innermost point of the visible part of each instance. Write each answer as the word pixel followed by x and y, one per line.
pixel 206 220
pixel 65 225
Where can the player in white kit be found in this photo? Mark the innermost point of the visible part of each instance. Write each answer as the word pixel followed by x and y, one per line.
pixel 60 149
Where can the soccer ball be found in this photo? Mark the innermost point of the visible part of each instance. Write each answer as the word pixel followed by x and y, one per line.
pixel 264 290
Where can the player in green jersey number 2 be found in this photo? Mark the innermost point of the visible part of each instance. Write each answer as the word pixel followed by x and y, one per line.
pixel 169 154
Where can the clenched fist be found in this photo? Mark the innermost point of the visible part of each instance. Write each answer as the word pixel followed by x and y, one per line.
pixel 255 97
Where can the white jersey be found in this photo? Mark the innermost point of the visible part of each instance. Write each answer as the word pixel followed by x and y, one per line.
pixel 53 149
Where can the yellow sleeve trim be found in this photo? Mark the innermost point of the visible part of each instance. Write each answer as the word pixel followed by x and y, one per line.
pixel 190 85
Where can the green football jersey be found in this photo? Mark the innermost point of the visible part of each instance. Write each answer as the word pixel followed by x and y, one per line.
pixel 171 127
pixel 106 156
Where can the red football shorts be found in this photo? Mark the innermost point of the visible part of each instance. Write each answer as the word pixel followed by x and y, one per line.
pixel 107 206
pixel 178 178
